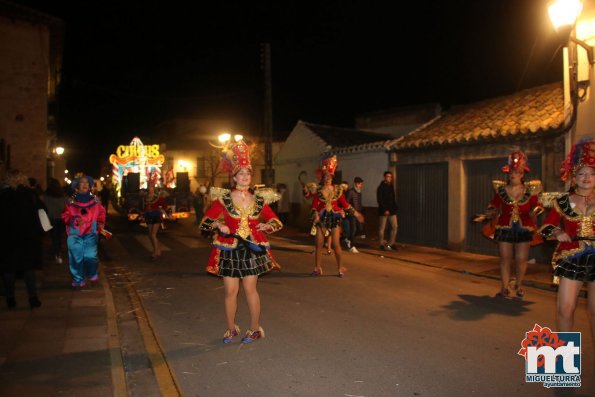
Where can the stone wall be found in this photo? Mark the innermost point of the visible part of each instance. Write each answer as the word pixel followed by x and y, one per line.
pixel 24 68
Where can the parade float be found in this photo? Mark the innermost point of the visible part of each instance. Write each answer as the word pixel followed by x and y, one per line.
pixel 133 166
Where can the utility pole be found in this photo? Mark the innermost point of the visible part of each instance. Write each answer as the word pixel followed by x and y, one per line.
pixel 268 173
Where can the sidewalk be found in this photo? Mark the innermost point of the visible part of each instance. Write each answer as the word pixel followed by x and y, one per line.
pixel 67 347
pixel 70 346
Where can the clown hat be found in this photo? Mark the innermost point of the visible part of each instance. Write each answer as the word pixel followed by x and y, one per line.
pixel 77 179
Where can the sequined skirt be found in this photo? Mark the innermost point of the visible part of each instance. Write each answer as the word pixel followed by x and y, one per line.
pixel 514 234
pixel 579 267
pixel 242 262
pixel 153 217
pixel 330 220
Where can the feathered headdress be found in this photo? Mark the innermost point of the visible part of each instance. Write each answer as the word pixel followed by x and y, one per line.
pixel 235 157
pixel 582 154
pixel 328 165
pixel 516 161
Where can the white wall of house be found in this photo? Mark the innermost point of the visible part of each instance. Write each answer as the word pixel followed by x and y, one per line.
pixel 367 165
pixel 299 155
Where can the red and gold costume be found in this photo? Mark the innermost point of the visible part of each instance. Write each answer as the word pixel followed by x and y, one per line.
pixel 241 223
pixel 513 220
pixel 329 206
pixel 574 260
pixel 246 250
pixel 154 205
pixel 517 211
pixel 573 223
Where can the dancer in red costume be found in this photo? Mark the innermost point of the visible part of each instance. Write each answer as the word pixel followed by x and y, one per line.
pixel 328 210
pixel 571 222
pixel 155 205
pixel 240 219
pixel 515 204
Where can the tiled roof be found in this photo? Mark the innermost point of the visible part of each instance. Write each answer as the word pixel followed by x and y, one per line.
pixel 534 111
pixel 348 139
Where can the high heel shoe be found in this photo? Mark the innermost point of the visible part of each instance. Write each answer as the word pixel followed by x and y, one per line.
pixel 342 271
pixel 317 272
pixel 504 293
pixel 520 292
pixel 251 336
pixel 231 333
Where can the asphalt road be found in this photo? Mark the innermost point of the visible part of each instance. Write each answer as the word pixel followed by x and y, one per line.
pixel 389 328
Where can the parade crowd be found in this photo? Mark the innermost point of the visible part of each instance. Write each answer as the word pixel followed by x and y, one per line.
pixel 238 220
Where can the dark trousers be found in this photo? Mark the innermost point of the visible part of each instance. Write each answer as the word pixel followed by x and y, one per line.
pixel 57 234
pixel 355 228
pixel 30 281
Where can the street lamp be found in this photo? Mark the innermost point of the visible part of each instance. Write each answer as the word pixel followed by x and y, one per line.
pixel 578 61
pixel 59 150
pixel 224 138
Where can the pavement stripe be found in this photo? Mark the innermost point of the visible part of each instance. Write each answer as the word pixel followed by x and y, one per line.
pixel 163 374
pixel 118 372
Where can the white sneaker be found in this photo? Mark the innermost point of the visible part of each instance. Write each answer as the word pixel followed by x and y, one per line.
pixel 58 260
pixel 348 243
pixel 353 250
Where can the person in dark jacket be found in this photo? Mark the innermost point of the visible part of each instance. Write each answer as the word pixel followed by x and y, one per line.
pixel 354 197
pixel 387 211
pixel 21 237
pixel 55 201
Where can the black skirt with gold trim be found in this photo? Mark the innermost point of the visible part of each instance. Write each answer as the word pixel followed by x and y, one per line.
pixel 579 267
pixel 242 261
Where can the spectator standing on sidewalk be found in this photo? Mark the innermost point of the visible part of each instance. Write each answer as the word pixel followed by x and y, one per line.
pixel 55 200
pixel 387 211
pixel 241 251
pixel 514 207
pixel 354 198
pixel 570 221
pixel 84 217
pixel 21 237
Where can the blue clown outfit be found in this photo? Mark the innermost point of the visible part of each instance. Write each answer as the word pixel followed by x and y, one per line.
pixel 84 217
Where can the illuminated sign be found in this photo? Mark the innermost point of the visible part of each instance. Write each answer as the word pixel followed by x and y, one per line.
pixel 150 151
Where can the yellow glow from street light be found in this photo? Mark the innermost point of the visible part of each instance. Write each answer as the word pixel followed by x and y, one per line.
pixel 59 150
pixel 224 137
pixel 238 137
pixel 564 12
pixel 66 171
pixel 183 165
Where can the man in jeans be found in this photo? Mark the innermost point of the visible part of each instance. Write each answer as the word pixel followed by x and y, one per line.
pixel 387 211
pixel 354 197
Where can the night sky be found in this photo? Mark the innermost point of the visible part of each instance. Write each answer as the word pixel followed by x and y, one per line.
pixel 129 66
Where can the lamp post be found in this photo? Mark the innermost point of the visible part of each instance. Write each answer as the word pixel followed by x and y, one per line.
pixel 576 24
pixel 56 163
